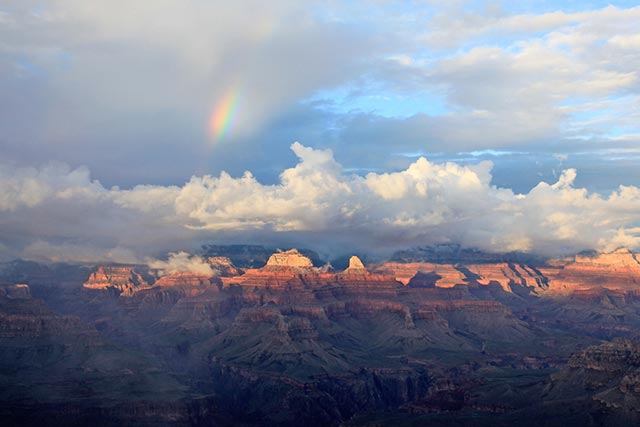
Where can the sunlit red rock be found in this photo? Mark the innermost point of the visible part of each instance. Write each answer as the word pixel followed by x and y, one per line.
pixel 403 272
pixel 223 266
pixel 617 270
pixel 290 258
pixel 355 264
pixel 291 329
pixel 507 274
pixel 185 279
pixel 449 275
pixel 283 269
pixel 357 276
pixel 124 280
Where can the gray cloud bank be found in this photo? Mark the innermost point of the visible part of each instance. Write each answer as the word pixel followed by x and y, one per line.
pixel 58 213
pixel 105 84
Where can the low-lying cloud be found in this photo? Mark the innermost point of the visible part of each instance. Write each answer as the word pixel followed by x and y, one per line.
pixel 58 213
pixel 181 262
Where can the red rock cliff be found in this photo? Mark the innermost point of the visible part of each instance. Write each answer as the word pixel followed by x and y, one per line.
pixel 123 279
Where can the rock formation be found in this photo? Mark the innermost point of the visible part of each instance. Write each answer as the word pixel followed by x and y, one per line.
pixel 223 266
pixel 283 269
pixel 503 274
pixel 185 279
pixel 17 291
pixel 617 270
pixel 424 280
pixel 289 259
pixel 403 272
pixel 62 371
pixel 124 280
pixel 355 264
pixel 607 378
pixel 418 343
pixel 507 275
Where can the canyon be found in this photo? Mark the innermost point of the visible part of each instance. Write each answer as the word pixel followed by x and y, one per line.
pixel 428 337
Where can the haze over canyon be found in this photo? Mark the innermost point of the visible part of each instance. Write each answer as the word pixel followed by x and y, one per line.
pixel 238 335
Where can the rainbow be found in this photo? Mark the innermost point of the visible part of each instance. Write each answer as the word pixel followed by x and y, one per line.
pixel 224 114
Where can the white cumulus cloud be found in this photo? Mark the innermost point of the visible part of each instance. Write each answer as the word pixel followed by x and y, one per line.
pixel 315 204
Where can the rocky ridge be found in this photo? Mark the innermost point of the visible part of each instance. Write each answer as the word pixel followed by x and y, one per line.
pixel 291 341
pixel 124 280
pixel 617 270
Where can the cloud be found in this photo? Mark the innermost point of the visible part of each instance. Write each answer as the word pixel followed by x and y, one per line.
pixel 128 91
pixel 314 204
pixel 182 262
pixel 29 186
pixel 112 83
pixel 509 80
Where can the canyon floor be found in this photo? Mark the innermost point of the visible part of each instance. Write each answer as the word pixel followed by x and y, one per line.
pixel 430 337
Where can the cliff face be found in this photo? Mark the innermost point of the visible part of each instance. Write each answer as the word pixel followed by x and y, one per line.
pixel 17 291
pixel 290 259
pixel 607 376
pixel 618 270
pixel 356 275
pixel 26 320
pixel 508 275
pixel 449 276
pixel 186 279
pixel 505 275
pixel 355 264
pixel 57 369
pixel 614 357
pixel 292 270
pixel 288 341
pixel 223 266
pixel 124 280
pixel 283 270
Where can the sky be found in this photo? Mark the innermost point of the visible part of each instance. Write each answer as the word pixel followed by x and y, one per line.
pixel 131 129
